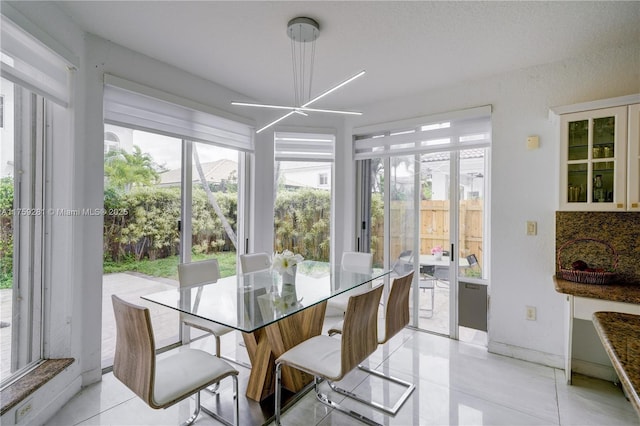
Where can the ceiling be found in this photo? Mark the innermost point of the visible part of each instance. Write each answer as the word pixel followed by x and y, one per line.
pixel 405 47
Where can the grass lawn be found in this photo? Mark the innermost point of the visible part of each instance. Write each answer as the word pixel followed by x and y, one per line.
pixel 168 267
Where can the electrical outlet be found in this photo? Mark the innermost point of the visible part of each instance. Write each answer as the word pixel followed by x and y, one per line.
pixel 24 410
pixel 531 313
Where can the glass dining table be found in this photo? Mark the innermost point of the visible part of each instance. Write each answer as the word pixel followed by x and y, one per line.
pixel 273 316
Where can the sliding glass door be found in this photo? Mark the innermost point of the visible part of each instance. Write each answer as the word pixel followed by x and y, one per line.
pixel 423 208
pixel 167 201
pixel 434 214
pixel 173 193
pixel 142 172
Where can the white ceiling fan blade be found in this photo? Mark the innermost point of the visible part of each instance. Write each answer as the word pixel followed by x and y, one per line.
pixel 333 89
pixel 276 121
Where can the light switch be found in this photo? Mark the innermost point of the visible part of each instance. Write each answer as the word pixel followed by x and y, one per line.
pixel 532 227
pixel 533 142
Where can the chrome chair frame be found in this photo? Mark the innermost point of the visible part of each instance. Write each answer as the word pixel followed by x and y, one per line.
pixel 200 274
pixel 358 343
pixel 396 318
pixel 136 365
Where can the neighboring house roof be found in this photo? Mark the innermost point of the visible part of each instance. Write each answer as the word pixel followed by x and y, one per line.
pixel 214 171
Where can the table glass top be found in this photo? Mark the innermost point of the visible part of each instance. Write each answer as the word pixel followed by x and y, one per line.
pixel 248 302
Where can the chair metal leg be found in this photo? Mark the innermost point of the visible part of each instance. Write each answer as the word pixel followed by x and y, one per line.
pixel 324 398
pixel 226 358
pixel 278 392
pixel 195 414
pixel 389 410
pixel 236 410
pixel 214 388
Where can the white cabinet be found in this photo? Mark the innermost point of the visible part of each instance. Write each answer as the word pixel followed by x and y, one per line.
pixel 600 155
pixel 633 159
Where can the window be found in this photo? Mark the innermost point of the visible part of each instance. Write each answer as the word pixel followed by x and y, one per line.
pixel 34 94
pixel 303 199
pixel 173 179
pixel 22 231
pixel 323 179
pixel 111 142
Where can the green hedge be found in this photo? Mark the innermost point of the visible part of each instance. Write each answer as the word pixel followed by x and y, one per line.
pixel 145 223
pixel 6 232
pixel 302 220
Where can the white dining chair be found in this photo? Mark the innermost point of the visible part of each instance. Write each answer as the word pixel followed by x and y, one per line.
pixel 254 262
pixel 403 264
pixel 203 272
pixel 163 382
pixel 395 319
pixel 427 282
pixel 351 262
pixel 331 359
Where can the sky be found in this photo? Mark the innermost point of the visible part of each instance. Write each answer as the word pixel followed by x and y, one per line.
pixel 166 150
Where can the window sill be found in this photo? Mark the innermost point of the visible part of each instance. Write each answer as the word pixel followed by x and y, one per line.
pixel 32 381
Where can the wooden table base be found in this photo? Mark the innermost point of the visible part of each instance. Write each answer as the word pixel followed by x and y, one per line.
pixel 267 344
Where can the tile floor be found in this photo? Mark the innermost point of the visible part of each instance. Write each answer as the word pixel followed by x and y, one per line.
pixel 457 384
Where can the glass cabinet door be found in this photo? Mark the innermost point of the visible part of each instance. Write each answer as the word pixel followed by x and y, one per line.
pixel 593 156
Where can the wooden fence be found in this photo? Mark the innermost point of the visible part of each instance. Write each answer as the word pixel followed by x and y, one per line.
pixel 434 228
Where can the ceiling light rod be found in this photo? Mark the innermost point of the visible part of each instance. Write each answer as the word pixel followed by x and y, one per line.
pixel 333 111
pixel 275 121
pixel 333 89
pixel 349 80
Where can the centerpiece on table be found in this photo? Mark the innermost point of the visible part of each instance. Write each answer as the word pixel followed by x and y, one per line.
pixel 286 264
pixel 437 252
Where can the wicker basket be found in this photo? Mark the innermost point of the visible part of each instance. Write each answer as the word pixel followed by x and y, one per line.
pixel 588 277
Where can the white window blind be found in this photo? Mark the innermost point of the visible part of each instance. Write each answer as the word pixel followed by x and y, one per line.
pixel 140 107
pixel 30 64
pixel 291 146
pixel 451 131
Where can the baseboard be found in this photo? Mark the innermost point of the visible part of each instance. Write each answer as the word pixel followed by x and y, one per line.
pixel 592 369
pixel 526 354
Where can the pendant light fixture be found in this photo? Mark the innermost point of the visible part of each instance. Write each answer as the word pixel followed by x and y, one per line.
pixel 303 33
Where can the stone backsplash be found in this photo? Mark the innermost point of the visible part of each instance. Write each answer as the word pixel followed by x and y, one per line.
pixel 620 230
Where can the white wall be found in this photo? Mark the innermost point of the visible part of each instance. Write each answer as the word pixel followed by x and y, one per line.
pixel 524 184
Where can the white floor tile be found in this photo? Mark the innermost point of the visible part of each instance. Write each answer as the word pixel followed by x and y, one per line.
pixel 589 401
pixel 457 384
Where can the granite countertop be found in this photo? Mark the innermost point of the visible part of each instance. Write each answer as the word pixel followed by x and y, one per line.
pixel 620 335
pixel 622 292
pixel 18 391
